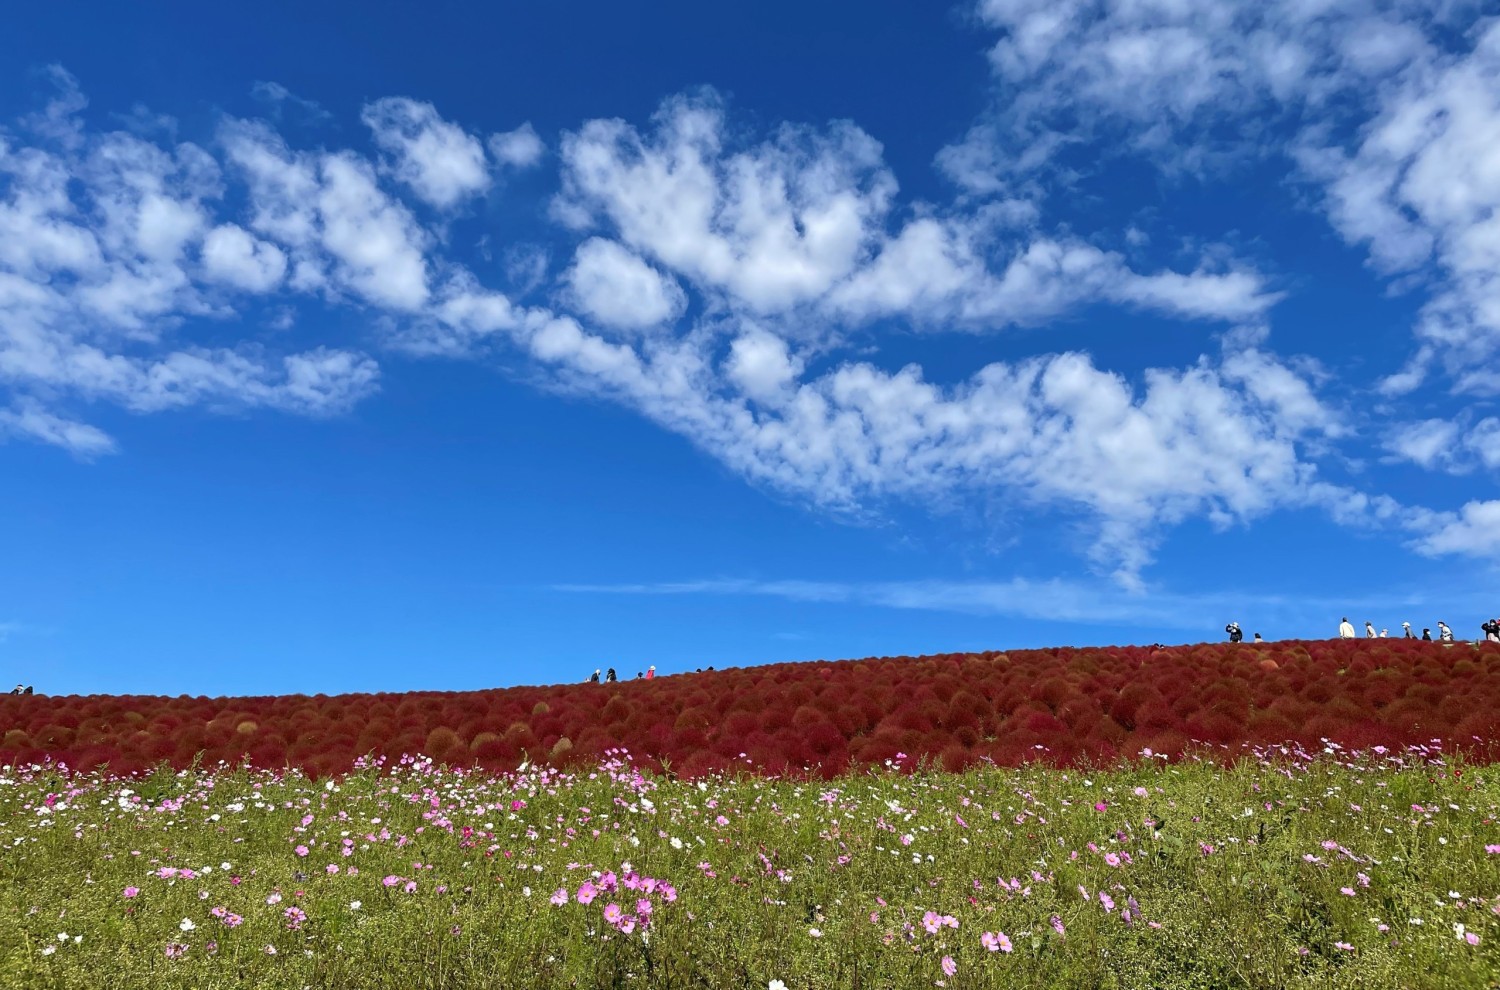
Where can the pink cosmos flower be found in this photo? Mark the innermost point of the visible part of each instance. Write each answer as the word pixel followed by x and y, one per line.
pixel 612 913
pixel 130 892
pixel 949 966
pixel 932 922
pixel 1140 792
pixel 391 881
pixel 1112 859
pixel 300 850
pixel 559 897
pixel 175 950
pixel 587 892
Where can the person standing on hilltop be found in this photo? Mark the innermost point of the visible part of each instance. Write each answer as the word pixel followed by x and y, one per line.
pixel 1426 635
pixel 1233 629
pixel 610 677
pixel 1346 629
pixel 1491 630
pixel 651 672
pixel 1445 635
pixel 594 677
pixel 1406 629
pixel 1370 630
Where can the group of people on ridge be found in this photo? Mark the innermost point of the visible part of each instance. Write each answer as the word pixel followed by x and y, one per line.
pixel 18 689
pixel 1490 628
pixel 611 677
pixel 1445 634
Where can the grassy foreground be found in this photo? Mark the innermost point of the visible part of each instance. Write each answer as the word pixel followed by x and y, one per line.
pixel 1287 870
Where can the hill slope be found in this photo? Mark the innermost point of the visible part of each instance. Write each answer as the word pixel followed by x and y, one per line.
pixel 1062 705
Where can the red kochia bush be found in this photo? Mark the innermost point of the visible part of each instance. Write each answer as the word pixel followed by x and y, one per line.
pixel 1061 705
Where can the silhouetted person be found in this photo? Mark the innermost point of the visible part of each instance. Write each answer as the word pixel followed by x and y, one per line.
pixel 1258 639
pixel 1426 634
pixel 1233 629
pixel 1346 629
pixel 16 689
pixel 28 689
pixel 610 676
pixel 594 677
pixel 1406 628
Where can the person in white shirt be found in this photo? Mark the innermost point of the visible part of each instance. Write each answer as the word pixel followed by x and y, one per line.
pixel 1370 630
pixel 1445 634
pixel 1346 631
pixel 1406 628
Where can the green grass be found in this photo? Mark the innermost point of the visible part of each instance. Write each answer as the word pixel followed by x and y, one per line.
pixel 1225 894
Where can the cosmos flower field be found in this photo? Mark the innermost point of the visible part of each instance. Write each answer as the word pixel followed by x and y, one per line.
pixel 1289 869
pixel 1022 852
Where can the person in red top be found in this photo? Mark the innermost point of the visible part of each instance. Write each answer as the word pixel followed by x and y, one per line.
pixel 651 672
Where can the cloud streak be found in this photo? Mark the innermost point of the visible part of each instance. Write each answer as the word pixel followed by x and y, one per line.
pixel 1056 600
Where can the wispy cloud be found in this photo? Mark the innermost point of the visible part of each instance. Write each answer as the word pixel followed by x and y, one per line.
pixel 1056 600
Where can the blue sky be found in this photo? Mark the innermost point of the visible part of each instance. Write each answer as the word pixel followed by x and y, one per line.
pixel 377 348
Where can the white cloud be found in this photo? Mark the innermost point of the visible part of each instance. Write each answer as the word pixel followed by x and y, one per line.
pixel 30 421
pixel 802 221
pixel 232 256
pixel 773 226
pixel 108 249
pixel 1447 445
pixel 329 212
pixel 1473 531
pixel 1427 443
pixel 937 273
pixel 1421 189
pixel 520 148
pixel 762 367
pixel 613 286
pixel 443 164
pixel 1392 125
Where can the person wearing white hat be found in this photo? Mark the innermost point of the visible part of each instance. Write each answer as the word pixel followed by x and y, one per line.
pixel 1369 630
pixel 651 672
pixel 1406 628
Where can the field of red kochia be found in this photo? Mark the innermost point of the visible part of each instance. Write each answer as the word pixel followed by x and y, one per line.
pixel 1059 705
